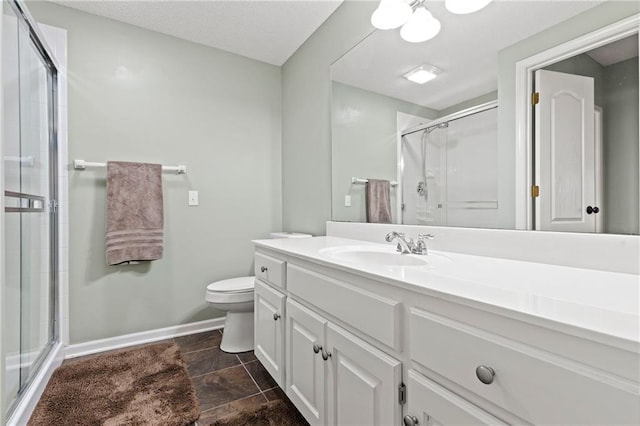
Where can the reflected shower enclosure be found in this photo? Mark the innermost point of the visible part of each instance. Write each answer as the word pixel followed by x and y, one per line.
pixel 450 170
pixel 29 165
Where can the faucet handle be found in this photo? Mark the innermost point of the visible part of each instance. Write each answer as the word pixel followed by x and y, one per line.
pixel 421 246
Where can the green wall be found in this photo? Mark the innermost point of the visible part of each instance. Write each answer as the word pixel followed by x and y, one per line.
pixel 306 117
pixel 620 116
pixel 139 95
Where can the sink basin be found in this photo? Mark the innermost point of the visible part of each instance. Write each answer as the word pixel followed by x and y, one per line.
pixel 371 255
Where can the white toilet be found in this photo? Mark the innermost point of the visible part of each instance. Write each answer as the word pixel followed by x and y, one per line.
pixel 235 297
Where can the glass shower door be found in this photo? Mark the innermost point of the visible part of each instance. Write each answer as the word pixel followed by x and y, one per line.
pixel 30 219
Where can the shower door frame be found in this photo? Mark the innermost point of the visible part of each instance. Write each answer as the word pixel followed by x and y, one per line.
pixel 431 124
pixel 38 42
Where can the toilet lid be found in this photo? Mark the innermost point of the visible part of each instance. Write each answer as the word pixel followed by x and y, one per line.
pixel 232 285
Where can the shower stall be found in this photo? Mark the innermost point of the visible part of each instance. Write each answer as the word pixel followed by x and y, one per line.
pixel 449 170
pixel 29 138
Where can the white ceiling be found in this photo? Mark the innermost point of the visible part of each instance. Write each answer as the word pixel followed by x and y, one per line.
pixel 465 50
pixel 615 52
pixel 266 30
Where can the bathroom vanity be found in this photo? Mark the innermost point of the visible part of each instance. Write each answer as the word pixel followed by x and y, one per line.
pixel 357 334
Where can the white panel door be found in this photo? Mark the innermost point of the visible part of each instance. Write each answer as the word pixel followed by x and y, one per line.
pixel 431 404
pixel 362 382
pixel 305 372
pixel 269 321
pixel 565 152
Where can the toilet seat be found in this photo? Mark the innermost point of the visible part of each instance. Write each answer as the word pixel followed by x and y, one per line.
pixel 234 290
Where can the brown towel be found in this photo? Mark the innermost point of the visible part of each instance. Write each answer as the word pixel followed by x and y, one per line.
pixel 134 212
pixel 378 201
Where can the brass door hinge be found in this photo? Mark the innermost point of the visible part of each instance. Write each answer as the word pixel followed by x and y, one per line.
pixel 535 98
pixel 535 191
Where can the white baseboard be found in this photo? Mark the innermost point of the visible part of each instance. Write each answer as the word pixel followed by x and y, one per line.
pixel 28 401
pixel 102 345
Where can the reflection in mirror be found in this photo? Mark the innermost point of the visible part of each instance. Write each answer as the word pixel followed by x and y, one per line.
pixel 441 140
pixel 592 180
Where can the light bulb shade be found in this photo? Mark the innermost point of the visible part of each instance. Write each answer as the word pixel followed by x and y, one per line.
pixel 390 14
pixel 422 26
pixel 462 7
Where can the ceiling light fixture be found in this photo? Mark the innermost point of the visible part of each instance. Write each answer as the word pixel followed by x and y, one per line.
pixel 422 26
pixel 422 74
pixel 462 7
pixel 418 24
pixel 391 14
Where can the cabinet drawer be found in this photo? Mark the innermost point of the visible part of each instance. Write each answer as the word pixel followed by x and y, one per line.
pixel 432 404
pixel 537 386
pixel 368 312
pixel 271 270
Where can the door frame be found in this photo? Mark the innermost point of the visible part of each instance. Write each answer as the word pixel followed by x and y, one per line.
pixel 524 112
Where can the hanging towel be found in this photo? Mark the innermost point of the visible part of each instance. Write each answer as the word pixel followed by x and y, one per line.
pixel 378 201
pixel 134 212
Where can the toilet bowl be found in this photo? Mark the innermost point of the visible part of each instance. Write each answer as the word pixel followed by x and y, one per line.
pixel 235 297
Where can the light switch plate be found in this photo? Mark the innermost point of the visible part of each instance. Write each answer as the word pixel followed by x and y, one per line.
pixel 347 200
pixel 193 198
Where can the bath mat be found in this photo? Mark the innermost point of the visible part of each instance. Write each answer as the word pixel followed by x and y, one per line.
pixel 273 413
pixel 141 386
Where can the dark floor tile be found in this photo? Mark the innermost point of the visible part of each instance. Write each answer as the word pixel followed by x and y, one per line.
pixel 208 361
pixel 196 342
pixel 223 386
pixel 260 375
pixel 247 357
pixel 230 409
pixel 275 394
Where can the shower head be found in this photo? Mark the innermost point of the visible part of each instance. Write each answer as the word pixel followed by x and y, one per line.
pixel 437 126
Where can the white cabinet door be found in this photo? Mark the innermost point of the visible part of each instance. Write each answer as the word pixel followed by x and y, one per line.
pixel 430 404
pixel 269 321
pixel 362 382
pixel 305 372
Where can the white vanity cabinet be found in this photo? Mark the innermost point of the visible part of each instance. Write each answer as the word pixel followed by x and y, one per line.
pixel 336 378
pixel 352 348
pixel 269 308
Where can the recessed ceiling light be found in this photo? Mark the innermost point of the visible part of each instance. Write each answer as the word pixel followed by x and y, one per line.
pixel 422 74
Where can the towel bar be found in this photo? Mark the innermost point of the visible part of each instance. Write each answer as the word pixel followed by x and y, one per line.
pixel 359 181
pixel 81 165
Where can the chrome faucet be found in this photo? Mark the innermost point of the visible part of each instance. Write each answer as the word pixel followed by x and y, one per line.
pixel 409 247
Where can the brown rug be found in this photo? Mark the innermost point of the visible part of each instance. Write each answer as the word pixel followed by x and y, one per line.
pixel 273 413
pixel 141 386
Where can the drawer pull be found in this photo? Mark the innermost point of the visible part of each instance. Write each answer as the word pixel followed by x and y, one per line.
pixel 410 420
pixel 326 355
pixel 276 316
pixel 485 374
pixel 316 348
pixel 263 269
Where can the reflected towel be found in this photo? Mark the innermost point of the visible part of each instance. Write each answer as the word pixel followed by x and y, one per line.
pixel 378 201
pixel 134 212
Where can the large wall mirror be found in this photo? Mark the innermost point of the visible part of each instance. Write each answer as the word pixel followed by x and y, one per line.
pixel 448 146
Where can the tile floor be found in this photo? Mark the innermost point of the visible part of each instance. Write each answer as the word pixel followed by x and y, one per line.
pixel 225 383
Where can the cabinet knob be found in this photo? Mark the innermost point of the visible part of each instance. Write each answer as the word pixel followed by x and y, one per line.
pixel 263 269
pixel 410 420
pixel 485 374
pixel 316 348
pixel 276 316
pixel 326 355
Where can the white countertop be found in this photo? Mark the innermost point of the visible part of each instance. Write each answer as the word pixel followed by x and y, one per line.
pixel 607 303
